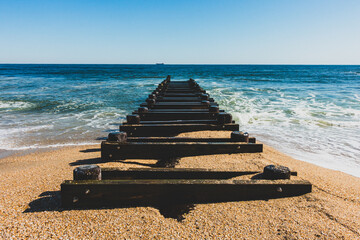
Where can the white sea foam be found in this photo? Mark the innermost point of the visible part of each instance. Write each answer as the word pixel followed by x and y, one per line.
pixel 16 130
pixel 309 128
pixel 14 105
pixel 44 146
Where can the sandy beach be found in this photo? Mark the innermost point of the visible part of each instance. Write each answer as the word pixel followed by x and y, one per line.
pixel 30 202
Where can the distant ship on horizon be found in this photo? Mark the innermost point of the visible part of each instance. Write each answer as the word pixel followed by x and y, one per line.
pixel 160 63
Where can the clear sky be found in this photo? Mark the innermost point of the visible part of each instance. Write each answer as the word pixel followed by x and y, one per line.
pixel 180 31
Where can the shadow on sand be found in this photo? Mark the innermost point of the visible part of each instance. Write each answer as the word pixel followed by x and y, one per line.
pixel 91 150
pixel 51 201
pixel 170 162
pixel 47 201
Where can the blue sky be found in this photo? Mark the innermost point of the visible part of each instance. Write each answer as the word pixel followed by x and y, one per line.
pixel 174 31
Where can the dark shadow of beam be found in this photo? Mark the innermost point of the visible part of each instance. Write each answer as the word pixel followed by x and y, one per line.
pixel 91 150
pixel 86 161
pixel 51 201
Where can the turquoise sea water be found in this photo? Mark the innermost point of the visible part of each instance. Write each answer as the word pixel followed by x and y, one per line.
pixel 309 112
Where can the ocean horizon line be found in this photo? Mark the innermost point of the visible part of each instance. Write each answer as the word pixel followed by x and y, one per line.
pixel 190 64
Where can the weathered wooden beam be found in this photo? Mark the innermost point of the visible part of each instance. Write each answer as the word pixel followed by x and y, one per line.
pixel 180 94
pixel 156 116
pixel 172 173
pixel 175 90
pixel 184 139
pixel 184 111
pixel 168 130
pixel 179 105
pixel 99 193
pixel 182 99
pixel 164 150
pixel 190 121
pixel 221 119
pixel 179 83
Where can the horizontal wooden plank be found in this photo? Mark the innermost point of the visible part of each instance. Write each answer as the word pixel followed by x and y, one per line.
pixel 164 150
pixel 181 99
pixel 184 111
pixel 183 103
pixel 179 105
pixel 179 94
pixel 165 173
pixel 168 130
pixel 172 173
pixel 191 121
pixel 179 84
pixel 97 193
pixel 155 116
pixel 174 90
pixel 182 139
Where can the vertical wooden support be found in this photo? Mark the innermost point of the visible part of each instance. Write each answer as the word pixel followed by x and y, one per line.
pixel 224 118
pixel 87 172
pixel 239 136
pixel 133 119
pixel 117 137
pixel 273 172
pixel 143 110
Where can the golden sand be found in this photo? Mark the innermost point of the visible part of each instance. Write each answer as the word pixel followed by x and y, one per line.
pixel 30 202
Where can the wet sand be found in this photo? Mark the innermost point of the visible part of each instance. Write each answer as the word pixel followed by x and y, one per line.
pixel 30 202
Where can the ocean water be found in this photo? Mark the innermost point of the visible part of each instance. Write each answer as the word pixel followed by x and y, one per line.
pixel 309 112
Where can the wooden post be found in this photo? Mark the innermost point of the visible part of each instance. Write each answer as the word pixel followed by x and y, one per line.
pixel 143 110
pixel 205 102
pixel 214 109
pixel 150 102
pixel 117 137
pixel 239 136
pixel 87 172
pixel 152 96
pixel 224 118
pixel 205 96
pixel 133 119
pixel 276 172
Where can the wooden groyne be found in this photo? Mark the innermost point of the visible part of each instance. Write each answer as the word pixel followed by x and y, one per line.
pixel 150 133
